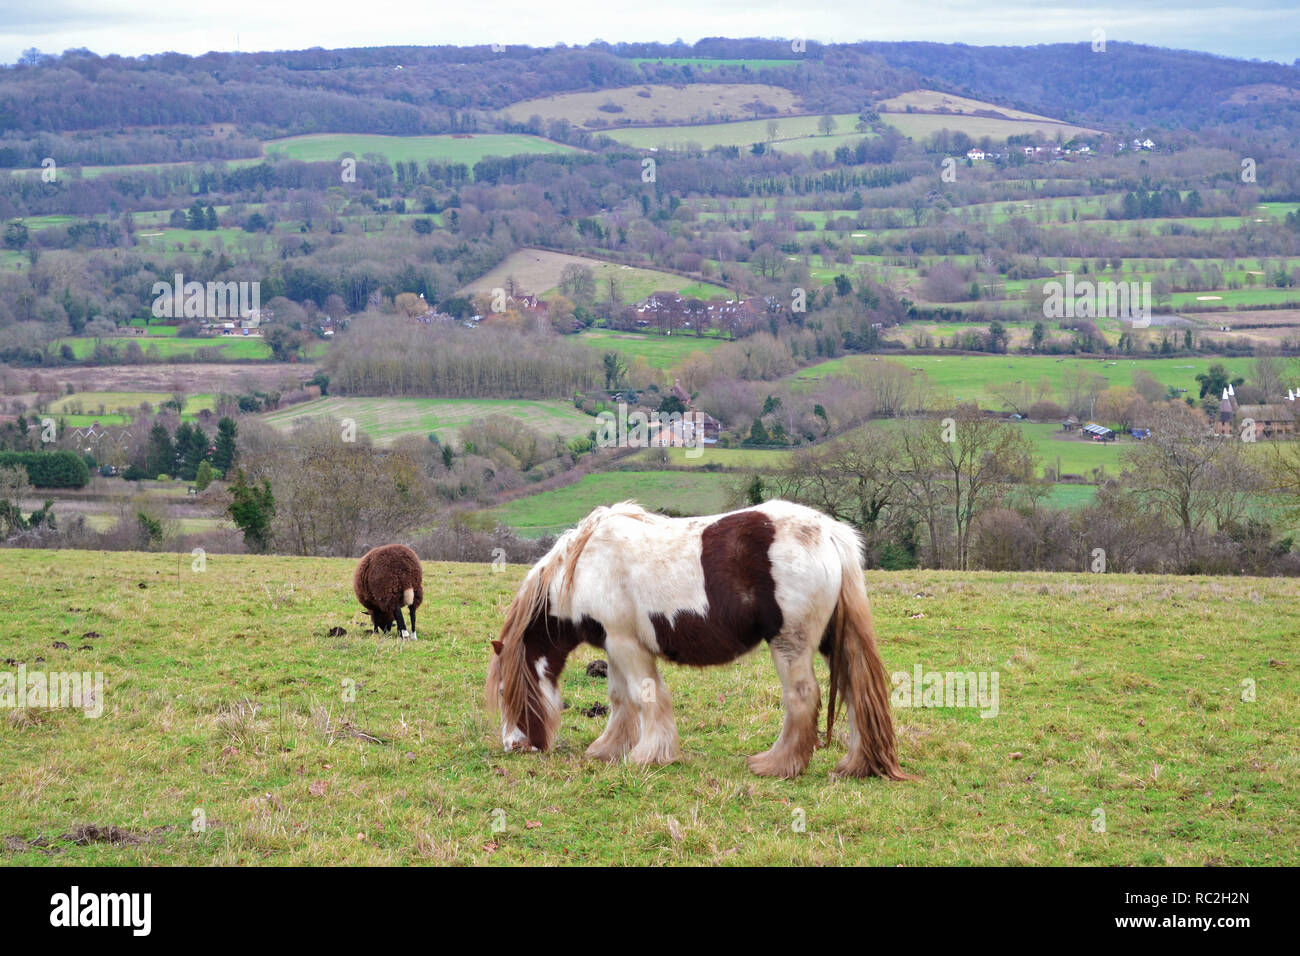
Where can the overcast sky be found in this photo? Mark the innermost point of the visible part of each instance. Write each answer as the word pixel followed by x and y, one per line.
pixel 1255 29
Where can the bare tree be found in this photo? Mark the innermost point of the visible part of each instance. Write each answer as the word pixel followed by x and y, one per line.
pixel 1186 472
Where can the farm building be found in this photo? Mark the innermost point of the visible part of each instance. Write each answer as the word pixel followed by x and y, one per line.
pixel 1098 432
pixel 1271 421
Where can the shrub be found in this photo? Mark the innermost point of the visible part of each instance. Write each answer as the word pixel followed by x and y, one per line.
pixel 50 469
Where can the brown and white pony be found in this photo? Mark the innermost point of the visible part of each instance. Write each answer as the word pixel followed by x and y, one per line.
pixel 697 591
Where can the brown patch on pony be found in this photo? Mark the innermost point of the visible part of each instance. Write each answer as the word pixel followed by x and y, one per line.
pixel 743 610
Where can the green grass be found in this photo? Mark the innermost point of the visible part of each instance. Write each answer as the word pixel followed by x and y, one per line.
pixel 385 419
pixel 920 125
pixel 232 348
pixel 127 401
pixel 731 458
pixel 322 147
pixel 223 693
pixel 661 351
pixel 969 377
pixel 791 130
pixel 551 512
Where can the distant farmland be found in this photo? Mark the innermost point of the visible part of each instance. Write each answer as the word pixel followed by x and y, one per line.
pixel 969 377
pixel 657 104
pixel 538 271
pixel 386 419
pixel 932 111
pixel 791 134
pixel 467 149
pixel 660 351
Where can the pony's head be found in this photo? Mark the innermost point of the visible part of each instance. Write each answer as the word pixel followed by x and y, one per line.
pixel 523 676
pixel 523 673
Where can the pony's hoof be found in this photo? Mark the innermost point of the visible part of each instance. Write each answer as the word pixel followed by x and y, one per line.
pixel 607 754
pixel 769 764
pixel 653 756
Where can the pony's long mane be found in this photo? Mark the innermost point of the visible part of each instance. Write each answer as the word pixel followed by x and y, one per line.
pixel 508 672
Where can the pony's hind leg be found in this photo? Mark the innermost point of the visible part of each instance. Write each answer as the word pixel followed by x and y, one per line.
pixel 624 724
pixel 790 754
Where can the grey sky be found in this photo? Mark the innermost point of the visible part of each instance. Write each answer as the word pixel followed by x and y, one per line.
pixel 1263 29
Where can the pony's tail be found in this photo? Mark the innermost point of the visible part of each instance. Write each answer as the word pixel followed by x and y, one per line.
pixel 858 675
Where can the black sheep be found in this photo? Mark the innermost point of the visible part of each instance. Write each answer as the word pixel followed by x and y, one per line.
pixel 389 578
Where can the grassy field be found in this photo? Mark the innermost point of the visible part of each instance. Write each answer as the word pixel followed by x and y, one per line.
pixel 968 377
pixel 229 734
pixel 660 104
pixel 467 149
pixel 90 402
pixel 921 125
pixel 933 111
pixel 790 130
pixel 385 419
pixel 232 348
pixel 538 271
pixel 661 351
pixel 551 512
pixel 931 101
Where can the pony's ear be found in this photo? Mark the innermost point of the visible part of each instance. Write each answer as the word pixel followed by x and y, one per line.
pixel 496 647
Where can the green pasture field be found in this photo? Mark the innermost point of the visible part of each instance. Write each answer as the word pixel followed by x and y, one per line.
pixel 551 512
pixel 385 419
pixel 223 691
pixel 119 406
pixel 742 133
pixel 233 348
pixel 921 125
pixel 468 149
pixel 968 377
pixel 661 351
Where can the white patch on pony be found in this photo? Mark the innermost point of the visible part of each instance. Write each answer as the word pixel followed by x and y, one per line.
pixel 511 737
pixel 636 564
pixel 547 686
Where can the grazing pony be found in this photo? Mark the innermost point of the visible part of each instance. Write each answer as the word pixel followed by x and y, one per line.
pixel 697 591
pixel 387 579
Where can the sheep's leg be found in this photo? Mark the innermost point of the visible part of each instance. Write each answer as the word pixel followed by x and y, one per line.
pixel 414 637
pixel 402 632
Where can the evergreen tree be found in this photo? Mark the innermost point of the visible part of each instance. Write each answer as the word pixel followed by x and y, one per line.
pixel 252 511
pixel 210 218
pixel 224 456
pixel 181 446
pixel 161 455
pixel 192 452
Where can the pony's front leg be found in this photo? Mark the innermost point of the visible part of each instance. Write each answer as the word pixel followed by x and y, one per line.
pixel 624 719
pixel 649 708
pixel 658 743
pixel 790 754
